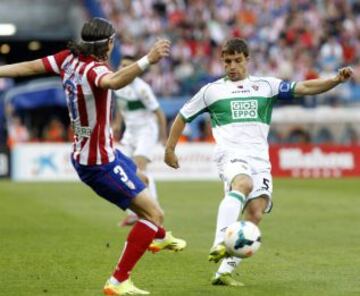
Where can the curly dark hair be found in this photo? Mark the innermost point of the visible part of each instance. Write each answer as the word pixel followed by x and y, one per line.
pixel 95 35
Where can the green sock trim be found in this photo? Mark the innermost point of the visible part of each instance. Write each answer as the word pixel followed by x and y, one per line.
pixel 237 195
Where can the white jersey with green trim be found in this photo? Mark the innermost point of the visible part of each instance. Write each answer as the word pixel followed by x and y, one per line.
pixel 137 102
pixel 240 111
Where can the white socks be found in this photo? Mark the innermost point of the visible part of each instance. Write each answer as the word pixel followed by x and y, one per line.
pixel 152 186
pixel 228 213
pixel 114 281
pixel 228 265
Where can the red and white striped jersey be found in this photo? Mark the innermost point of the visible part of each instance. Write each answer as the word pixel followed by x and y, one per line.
pixel 88 104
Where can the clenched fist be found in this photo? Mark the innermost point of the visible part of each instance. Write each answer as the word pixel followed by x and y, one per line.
pixel 344 74
pixel 160 49
pixel 171 159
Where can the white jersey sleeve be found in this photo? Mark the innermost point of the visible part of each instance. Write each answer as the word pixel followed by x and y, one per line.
pixel 195 106
pixel 147 96
pixel 281 89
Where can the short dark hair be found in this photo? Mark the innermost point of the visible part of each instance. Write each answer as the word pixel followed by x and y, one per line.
pixel 235 45
pixel 95 35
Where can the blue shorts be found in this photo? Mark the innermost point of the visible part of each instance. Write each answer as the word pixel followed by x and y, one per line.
pixel 116 181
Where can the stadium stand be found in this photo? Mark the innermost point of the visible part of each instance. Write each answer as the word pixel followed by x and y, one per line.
pixel 285 42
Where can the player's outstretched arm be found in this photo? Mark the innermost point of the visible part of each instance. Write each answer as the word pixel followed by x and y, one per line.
pixel 320 85
pixel 29 68
pixel 127 74
pixel 175 133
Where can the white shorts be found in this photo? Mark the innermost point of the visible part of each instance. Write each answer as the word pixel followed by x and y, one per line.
pixel 140 141
pixel 231 164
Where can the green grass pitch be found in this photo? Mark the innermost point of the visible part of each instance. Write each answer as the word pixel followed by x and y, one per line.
pixel 61 239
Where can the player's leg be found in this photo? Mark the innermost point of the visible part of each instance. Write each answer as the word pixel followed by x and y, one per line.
pixel 230 208
pixel 141 144
pixel 142 163
pixel 144 152
pixel 134 195
pixel 229 212
pixel 253 212
pixel 149 209
pixel 117 182
pixel 127 147
pixel 140 237
pixel 235 173
pixel 255 209
pixel 258 203
pixel 132 217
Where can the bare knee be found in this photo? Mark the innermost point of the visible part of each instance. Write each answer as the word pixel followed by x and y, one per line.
pixel 146 208
pixel 158 217
pixel 242 183
pixel 255 209
pixel 155 215
pixel 254 216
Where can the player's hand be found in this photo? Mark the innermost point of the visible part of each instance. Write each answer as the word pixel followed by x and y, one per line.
pixel 344 74
pixel 160 49
pixel 171 159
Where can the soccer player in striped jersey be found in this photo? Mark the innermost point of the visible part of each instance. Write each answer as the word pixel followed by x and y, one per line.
pixel 145 126
pixel 240 107
pixel 88 81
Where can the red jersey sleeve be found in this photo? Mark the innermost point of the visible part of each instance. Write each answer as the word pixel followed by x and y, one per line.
pixel 97 72
pixel 53 63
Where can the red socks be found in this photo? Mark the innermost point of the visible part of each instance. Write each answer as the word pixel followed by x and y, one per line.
pixel 160 234
pixel 139 239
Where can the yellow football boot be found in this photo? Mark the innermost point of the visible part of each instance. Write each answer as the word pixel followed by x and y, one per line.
pixel 124 288
pixel 169 242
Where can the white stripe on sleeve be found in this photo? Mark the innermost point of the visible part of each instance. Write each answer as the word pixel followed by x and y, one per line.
pixel 53 64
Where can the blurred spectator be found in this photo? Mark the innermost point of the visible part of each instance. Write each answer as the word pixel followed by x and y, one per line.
pixel 323 136
pixel 54 131
pixel 5 83
pixel 290 39
pixel 274 137
pixel 17 132
pixel 186 136
pixel 298 136
pixel 331 54
pixel 293 40
pixel 205 134
pixel 349 136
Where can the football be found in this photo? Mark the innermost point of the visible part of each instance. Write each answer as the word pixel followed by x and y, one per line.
pixel 242 239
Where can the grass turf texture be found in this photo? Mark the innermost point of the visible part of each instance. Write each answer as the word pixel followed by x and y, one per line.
pixel 61 239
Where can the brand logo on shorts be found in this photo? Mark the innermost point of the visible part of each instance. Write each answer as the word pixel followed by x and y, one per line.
pixel 244 109
pixel 237 160
pixel 232 263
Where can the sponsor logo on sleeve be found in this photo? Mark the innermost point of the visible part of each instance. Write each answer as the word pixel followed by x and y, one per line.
pixel 255 87
pixel 101 70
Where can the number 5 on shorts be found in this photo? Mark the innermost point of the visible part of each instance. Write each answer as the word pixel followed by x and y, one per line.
pixel 266 184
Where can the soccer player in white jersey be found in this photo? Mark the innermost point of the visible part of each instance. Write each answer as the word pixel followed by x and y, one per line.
pixel 240 108
pixel 88 81
pixel 145 126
